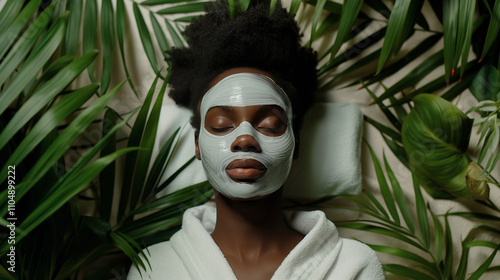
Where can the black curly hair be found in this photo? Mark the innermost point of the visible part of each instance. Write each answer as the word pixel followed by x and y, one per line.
pixel 253 38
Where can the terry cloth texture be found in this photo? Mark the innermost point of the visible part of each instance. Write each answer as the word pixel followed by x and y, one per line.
pixel 322 254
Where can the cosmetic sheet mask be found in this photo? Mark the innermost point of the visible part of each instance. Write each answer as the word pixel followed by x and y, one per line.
pixel 240 90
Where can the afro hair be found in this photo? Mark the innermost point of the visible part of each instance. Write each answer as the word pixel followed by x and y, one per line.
pixel 253 38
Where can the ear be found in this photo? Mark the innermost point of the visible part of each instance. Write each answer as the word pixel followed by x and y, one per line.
pixel 197 149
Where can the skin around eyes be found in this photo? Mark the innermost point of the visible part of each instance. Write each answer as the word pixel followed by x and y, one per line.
pixel 269 120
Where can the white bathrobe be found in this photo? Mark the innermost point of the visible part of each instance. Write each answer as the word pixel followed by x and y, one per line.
pixel 191 253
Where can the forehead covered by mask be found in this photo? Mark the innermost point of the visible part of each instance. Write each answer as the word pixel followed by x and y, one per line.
pixel 276 153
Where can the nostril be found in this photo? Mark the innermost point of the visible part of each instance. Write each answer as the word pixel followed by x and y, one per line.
pixel 245 143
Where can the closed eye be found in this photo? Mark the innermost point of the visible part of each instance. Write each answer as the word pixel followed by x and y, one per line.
pixel 221 129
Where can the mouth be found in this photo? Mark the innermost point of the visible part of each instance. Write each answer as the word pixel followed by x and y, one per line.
pixel 245 170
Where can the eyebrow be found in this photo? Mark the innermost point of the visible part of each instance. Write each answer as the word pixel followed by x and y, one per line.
pixel 267 108
pixel 224 108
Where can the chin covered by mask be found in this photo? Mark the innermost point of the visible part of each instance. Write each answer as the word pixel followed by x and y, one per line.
pixel 241 90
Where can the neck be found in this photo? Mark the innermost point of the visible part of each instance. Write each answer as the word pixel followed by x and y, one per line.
pixel 246 227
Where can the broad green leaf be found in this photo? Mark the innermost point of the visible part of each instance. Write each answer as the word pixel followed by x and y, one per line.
pixel 146 41
pixel 108 42
pixel 185 8
pixel 144 154
pixel 160 36
pixel 493 28
pixel 399 197
pixel 24 45
pixel 9 12
pixel 90 33
pixel 486 83
pixel 9 34
pixel 406 271
pixel 44 95
pixel 50 119
pixel 435 137
pixel 73 30
pixel 350 11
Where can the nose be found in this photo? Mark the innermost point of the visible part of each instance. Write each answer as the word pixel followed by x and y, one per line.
pixel 245 143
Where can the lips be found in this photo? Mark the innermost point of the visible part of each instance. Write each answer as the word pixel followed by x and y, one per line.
pixel 243 170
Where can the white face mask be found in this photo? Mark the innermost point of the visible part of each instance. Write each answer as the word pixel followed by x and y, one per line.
pixel 241 90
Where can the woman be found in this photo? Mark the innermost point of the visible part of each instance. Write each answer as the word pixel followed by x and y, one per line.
pixel 249 82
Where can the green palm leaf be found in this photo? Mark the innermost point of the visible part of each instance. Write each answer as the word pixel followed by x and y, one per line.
pixel 493 28
pixel 9 34
pixel 73 30
pixel 9 12
pixel 108 42
pixel 45 94
pixel 147 43
pixel 350 11
pixel 90 33
pixel 49 121
pixel 185 8
pixel 22 47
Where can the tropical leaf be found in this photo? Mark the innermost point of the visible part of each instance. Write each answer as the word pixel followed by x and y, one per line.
pixel 108 42
pixel 435 137
pixel 90 33
pixel 398 28
pixel 493 28
pixel 9 34
pixel 147 43
pixel 350 11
